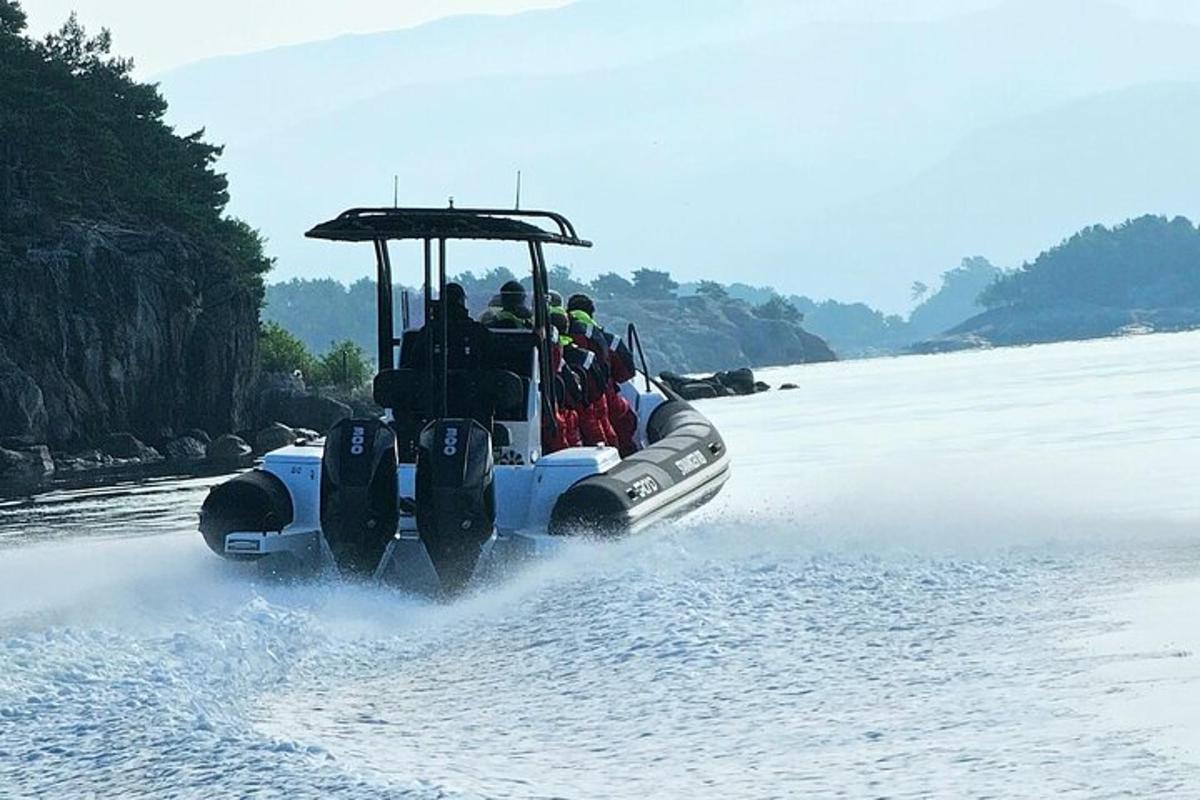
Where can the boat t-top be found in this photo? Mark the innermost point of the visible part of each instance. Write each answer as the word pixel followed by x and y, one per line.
pixel 453 479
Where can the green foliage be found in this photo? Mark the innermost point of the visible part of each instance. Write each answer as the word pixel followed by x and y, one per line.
pixel 712 290
pixel 12 18
pixel 563 282
pixel 610 285
pixel 780 309
pixel 1149 262
pixel 283 352
pixel 82 138
pixel 653 283
pixel 956 301
pixel 345 366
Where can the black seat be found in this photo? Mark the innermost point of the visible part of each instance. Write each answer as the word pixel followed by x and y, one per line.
pixel 484 395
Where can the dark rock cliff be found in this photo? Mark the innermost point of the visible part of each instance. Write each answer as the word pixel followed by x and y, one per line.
pixel 107 327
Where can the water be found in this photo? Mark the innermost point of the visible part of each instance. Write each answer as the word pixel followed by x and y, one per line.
pixel 950 576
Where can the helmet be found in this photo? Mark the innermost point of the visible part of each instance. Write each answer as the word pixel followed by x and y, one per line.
pixel 581 302
pixel 512 296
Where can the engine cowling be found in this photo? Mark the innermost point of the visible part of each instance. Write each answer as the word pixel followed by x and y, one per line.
pixel 359 504
pixel 456 497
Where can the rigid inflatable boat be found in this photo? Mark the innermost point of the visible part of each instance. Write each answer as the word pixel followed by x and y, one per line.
pixel 452 481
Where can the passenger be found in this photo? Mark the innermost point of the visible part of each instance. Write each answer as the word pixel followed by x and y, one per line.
pixel 514 313
pixel 489 314
pixel 569 393
pixel 621 418
pixel 585 381
pixel 456 302
pixel 467 337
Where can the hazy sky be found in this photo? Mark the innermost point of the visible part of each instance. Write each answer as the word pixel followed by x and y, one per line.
pixel 160 34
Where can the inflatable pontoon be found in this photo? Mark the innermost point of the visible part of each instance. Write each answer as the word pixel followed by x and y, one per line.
pixel 452 481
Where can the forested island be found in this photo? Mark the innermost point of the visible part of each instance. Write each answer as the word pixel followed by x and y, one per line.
pixel 1138 277
pixel 130 301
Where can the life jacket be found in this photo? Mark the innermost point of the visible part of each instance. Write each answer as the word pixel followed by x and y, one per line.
pixel 620 358
pixel 505 319
pixel 589 336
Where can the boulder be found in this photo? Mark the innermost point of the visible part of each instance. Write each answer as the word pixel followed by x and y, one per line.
pixel 185 448
pixel 22 406
pixel 273 437
pixel 302 409
pixel 228 448
pixel 126 445
pixel 30 464
pixel 788 387
pixel 722 384
pixel 198 434
pixel 82 461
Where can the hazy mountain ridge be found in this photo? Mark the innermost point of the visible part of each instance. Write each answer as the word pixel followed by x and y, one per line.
pixel 820 134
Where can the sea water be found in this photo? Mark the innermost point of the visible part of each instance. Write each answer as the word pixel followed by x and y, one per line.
pixel 970 575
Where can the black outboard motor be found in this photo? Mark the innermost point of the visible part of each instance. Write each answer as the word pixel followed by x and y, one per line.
pixel 253 502
pixel 456 497
pixel 359 506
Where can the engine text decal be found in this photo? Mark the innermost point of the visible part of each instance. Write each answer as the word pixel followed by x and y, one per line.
pixel 690 463
pixel 643 488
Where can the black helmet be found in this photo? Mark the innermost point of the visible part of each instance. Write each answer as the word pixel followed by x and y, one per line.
pixel 456 295
pixel 581 302
pixel 512 296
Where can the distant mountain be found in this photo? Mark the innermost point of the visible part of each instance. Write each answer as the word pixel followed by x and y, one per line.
pixel 739 139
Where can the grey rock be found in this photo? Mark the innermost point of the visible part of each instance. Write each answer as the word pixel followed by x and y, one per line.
pixel 185 448
pixel 22 406
pixel 787 387
pixel 228 448
pixel 128 446
pixel 198 434
pixel 302 410
pixel 29 464
pixel 273 437
pixel 123 328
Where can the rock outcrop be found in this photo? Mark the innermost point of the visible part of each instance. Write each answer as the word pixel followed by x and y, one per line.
pixel 109 328
pixel 228 448
pixel 1068 321
pixel 699 334
pixel 27 464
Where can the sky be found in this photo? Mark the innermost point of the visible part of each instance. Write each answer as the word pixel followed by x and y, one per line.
pixel 162 34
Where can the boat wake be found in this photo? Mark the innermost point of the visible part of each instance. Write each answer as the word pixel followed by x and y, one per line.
pixel 862 611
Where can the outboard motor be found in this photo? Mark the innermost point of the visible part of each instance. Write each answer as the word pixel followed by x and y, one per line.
pixel 456 497
pixel 359 506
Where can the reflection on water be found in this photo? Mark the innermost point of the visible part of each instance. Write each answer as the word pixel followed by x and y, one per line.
pixel 148 508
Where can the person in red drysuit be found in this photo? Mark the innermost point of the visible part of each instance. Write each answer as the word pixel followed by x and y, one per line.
pixel 622 421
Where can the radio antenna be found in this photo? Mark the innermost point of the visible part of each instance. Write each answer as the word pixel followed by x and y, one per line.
pixel 395 191
pixel 518 206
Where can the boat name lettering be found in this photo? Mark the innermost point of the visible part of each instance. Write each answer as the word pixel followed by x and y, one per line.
pixel 451 442
pixel 358 441
pixel 690 463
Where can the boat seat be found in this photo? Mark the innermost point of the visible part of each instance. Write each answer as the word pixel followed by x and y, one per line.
pixel 479 394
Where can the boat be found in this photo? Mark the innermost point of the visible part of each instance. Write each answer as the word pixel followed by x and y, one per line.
pixel 452 482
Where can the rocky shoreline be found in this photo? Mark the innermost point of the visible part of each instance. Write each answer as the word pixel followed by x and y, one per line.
pixel 285 413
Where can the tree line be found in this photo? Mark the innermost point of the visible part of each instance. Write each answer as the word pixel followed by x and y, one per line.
pixel 80 138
